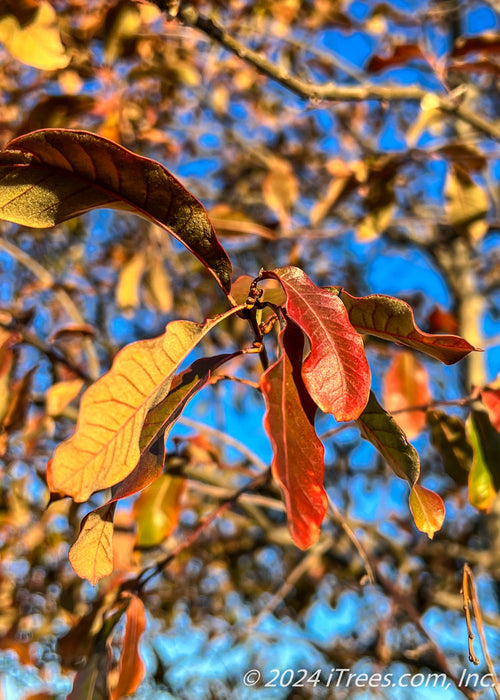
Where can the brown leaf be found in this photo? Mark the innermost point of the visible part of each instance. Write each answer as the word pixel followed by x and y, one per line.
pixel 335 372
pixel 401 54
pixel 392 319
pixel 297 451
pixel 106 445
pixel 487 43
pixel 52 175
pixel 406 384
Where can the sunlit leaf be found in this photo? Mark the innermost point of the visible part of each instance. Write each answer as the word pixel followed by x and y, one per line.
pixel 60 394
pixel 158 285
pixel 131 667
pixel 491 399
pixel 37 43
pixel 406 384
pixel 106 445
pixel 379 427
pixel 449 438
pixel 427 509
pixel 157 509
pixel 91 556
pixel 129 281
pixel 297 451
pixel 392 319
pixel 52 175
pixel 280 189
pixel 484 476
pixel 466 203
pixel 336 371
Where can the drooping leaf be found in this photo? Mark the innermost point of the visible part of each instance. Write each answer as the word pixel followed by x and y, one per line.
pixel 280 189
pixel 379 427
pixel 392 319
pixel 486 43
pixel 129 281
pixel 336 371
pixel 52 175
pixel 105 447
pixel 298 453
pixel 91 556
pixel 448 437
pixel 60 394
pixel 427 508
pixel 37 42
pixel 406 384
pixel 131 667
pixel 91 682
pixel 466 203
pixel 157 509
pixel 482 492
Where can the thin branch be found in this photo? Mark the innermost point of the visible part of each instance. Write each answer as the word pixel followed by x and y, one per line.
pixel 297 572
pixel 341 519
pixel 227 439
pixel 331 92
pixel 48 281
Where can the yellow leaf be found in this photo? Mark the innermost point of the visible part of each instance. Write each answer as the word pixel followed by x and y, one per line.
pixel 482 491
pixel 375 223
pixel 467 203
pixel 37 44
pixel 157 509
pixel 127 289
pixel 60 395
pixel 159 286
pixel 280 189
pixel 91 556
pixel 106 445
pixel 427 509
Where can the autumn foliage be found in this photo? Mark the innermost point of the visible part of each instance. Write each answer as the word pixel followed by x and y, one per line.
pixel 304 340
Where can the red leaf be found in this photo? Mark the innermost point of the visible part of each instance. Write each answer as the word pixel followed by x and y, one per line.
pixel 52 175
pixel 487 43
pixel 491 399
pixel 131 667
pixel 392 319
pixel 298 453
pixel 335 372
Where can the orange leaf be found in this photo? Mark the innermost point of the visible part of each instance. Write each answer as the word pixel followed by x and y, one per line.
pixel 91 556
pixel 131 668
pixel 335 372
pixel 406 384
pixel 427 509
pixel 298 453
pixel 392 319
pixel 280 189
pixel 52 175
pixel 105 447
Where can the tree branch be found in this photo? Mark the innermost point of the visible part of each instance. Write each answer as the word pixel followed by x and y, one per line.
pixel 330 92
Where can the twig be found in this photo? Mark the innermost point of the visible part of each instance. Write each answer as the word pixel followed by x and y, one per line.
pixel 147 574
pixel 330 92
pixel 470 598
pixel 297 572
pixel 62 296
pixel 227 439
pixel 341 519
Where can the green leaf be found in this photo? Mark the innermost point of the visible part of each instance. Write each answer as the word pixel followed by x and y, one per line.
pixel 482 491
pixel 52 175
pixel 449 438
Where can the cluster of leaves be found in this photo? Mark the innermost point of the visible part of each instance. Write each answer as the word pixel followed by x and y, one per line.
pixel 124 73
